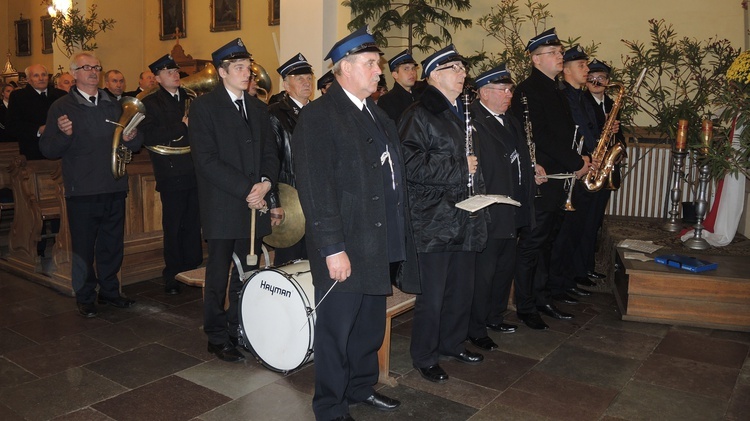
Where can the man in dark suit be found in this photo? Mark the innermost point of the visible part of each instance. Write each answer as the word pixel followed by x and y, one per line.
pixel 165 131
pixel 114 84
pixel 65 81
pixel 506 170
pixel 236 166
pixel 404 71
pixel 27 111
pixel 350 178
pixel 5 91
pixel 447 238
pixel 146 81
pixel 297 77
pixel 553 133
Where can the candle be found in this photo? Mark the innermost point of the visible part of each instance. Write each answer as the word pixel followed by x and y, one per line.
pixel 681 141
pixel 707 133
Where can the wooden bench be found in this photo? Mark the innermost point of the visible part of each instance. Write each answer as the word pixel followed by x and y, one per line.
pixel 396 304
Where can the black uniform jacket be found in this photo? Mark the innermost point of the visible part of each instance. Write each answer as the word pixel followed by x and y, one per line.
pixel 494 145
pixel 553 131
pixel 27 111
pixel 284 115
pixel 340 183
pixel 437 173
pixel 396 101
pixel 230 156
pixel 163 126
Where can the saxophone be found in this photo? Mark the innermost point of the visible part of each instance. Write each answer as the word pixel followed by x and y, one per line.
pixel 609 152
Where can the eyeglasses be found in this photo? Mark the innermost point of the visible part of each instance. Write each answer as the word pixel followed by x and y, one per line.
pixel 506 90
pixel 597 79
pixel 555 52
pixel 457 68
pixel 89 68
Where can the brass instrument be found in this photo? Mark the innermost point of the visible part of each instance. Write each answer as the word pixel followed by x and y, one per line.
pixel 578 146
pixel 133 112
pixel 469 139
pixel 609 152
pixel 530 139
pixel 264 82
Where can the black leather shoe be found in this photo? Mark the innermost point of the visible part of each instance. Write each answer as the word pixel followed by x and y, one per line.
pixel 578 291
pixel 172 290
pixel 434 373
pixel 485 342
pixel 382 402
pixel 552 311
pixel 87 310
pixel 596 275
pixel 502 327
pixel 119 301
pixel 346 417
pixel 226 352
pixel 586 282
pixel 533 321
pixel 467 357
pixel 564 298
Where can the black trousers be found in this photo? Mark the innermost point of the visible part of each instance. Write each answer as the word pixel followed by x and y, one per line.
pixel 586 261
pixel 532 261
pixel 180 222
pixel 442 311
pixel 569 245
pixel 97 231
pixel 349 330
pixel 495 269
pixel 218 323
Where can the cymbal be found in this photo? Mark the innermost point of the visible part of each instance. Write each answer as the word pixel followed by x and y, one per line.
pixel 292 227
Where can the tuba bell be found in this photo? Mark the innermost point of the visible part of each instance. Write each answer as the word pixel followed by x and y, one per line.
pixel 264 82
pixel 133 112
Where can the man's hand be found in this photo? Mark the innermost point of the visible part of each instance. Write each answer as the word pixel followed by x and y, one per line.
pixel 185 121
pixel 339 267
pixel 541 174
pixel 255 200
pixel 65 125
pixel 41 130
pixel 473 163
pixel 585 168
pixel 277 216
pixel 128 137
pixel 616 126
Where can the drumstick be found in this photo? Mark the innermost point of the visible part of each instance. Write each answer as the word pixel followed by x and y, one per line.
pixel 316 307
pixel 252 259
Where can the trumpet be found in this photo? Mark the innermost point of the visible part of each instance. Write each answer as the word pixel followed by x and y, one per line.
pixel 578 146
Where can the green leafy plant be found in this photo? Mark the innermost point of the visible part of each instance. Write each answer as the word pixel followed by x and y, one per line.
pixel 74 31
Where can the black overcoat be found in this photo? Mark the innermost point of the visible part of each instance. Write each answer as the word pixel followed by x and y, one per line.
pixel 396 101
pixel 27 111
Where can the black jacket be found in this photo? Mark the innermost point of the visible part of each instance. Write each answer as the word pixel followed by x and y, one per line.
pixel 27 111
pixel 553 131
pixel 396 101
pixel 437 173
pixel 584 116
pixel 163 126
pixel 284 115
pixel 495 146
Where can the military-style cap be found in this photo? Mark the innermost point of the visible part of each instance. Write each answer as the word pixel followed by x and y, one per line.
pixel 548 37
pixel 234 49
pixel 325 80
pixel 400 58
pixel 296 65
pixel 599 66
pixel 575 53
pixel 445 55
pixel 162 63
pixel 498 74
pixel 359 41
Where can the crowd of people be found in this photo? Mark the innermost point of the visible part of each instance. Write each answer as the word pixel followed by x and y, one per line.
pixel 379 173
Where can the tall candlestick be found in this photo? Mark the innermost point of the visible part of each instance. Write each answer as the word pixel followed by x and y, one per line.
pixel 707 134
pixel 681 140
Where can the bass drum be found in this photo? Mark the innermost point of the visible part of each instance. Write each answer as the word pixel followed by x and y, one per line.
pixel 276 318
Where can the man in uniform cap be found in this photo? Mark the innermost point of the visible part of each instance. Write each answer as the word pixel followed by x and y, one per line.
pixel 297 75
pixel 553 132
pixel 404 71
pixel 506 170
pixel 325 82
pixel 438 170
pixel 165 131
pixel 350 176
pixel 236 166
pixel 568 242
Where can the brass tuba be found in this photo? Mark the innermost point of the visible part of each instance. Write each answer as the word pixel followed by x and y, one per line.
pixel 609 151
pixel 264 82
pixel 133 112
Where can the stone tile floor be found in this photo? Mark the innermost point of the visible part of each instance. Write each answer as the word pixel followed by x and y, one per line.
pixel 150 363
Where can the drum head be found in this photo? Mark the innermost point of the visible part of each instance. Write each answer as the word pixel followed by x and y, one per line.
pixel 273 315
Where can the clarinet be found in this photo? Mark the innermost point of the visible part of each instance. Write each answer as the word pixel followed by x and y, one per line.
pixel 530 140
pixel 469 140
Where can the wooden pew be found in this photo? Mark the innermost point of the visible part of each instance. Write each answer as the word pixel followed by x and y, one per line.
pixel 8 151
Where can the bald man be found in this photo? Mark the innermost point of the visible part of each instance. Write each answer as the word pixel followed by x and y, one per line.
pixel 65 81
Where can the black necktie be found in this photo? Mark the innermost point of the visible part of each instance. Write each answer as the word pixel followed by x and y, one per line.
pixel 177 97
pixel 367 112
pixel 501 118
pixel 242 109
pixel 44 94
pixel 92 99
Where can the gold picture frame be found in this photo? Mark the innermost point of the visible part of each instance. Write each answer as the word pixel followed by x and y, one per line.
pixel 225 15
pixel 172 19
pixel 23 37
pixel 48 34
pixel 273 12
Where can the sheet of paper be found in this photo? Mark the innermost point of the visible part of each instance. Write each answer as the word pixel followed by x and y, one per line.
pixel 481 201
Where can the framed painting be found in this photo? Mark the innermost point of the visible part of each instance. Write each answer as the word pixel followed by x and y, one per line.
pixel 48 34
pixel 225 15
pixel 23 37
pixel 273 12
pixel 172 13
